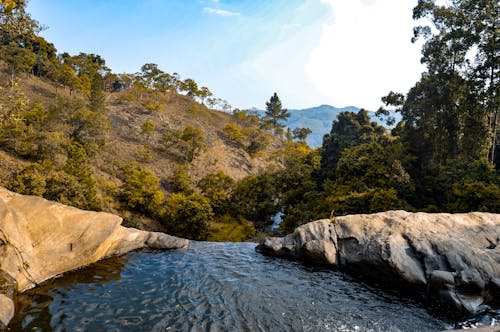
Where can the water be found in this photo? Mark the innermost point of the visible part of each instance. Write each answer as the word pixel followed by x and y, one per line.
pixel 214 287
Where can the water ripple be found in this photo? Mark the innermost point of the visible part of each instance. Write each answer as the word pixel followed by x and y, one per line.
pixel 214 287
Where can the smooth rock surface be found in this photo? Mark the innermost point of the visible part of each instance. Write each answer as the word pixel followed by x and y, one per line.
pixel 453 258
pixel 40 239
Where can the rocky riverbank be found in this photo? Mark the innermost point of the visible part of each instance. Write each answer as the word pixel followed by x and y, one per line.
pixel 452 258
pixel 40 239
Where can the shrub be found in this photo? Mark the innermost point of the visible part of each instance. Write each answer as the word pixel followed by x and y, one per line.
pixel 233 133
pixel 188 216
pixel 140 191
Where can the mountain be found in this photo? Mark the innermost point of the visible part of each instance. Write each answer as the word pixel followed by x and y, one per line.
pixel 319 119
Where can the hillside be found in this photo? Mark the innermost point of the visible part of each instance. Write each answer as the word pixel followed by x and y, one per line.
pixel 130 134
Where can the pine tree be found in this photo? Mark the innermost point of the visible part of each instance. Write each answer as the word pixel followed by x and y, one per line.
pixel 275 113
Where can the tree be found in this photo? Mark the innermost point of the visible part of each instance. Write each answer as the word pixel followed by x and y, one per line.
pixel 96 96
pixel 180 181
pixel 19 59
pixel 460 28
pixel 150 74
pixel 15 24
pixel 301 134
pixel 140 191
pixel 204 93
pixel 349 130
pixel 233 133
pixel 187 216
pixel 191 87
pixel 217 188
pixel 255 198
pixel 194 142
pixel 67 76
pixel 257 140
pixel 275 113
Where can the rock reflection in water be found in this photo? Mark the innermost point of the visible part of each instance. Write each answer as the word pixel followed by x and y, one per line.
pixel 214 287
pixel 35 304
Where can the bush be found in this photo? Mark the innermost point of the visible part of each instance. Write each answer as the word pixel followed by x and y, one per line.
pixel 233 133
pixel 217 188
pixel 188 216
pixel 140 191
pixel 229 229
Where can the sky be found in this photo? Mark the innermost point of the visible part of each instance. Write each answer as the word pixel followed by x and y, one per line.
pixel 310 52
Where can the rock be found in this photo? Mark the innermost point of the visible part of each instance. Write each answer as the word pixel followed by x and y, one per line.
pixel 40 239
pixel 449 257
pixel 6 310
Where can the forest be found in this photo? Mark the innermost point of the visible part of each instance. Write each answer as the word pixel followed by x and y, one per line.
pixel 443 156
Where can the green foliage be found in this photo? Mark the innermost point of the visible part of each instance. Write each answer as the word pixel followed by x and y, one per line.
pixel 229 229
pixel 217 188
pixel 193 142
pixel 233 133
pixel 301 134
pixel 245 117
pixel 58 185
pixel 187 216
pixel 148 128
pixel 347 131
pixel 254 198
pixel 30 181
pixel 96 96
pixel 180 181
pixel 89 129
pixel 151 106
pixel 140 191
pixel 257 140
pixel 343 201
pixel 18 58
pixel 275 113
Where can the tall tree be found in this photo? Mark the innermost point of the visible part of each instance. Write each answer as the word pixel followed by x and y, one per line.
pixel 349 130
pixel 464 44
pixel 275 113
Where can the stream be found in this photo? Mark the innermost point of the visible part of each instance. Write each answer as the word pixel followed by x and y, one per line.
pixel 214 287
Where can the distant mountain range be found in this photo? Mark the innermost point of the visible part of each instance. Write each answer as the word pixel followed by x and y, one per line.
pixel 319 120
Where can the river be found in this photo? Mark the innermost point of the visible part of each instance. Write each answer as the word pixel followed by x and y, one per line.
pixel 214 287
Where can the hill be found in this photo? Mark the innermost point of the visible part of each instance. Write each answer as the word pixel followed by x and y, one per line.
pixel 133 130
pixel 319 120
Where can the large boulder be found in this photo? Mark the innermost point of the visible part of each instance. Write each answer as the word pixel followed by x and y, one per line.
pixel 40 239
pixel 453 258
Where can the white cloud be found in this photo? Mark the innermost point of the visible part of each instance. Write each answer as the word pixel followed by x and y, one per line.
pixel 366 52
pixel 220 12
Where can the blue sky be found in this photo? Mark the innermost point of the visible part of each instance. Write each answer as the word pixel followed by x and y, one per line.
pixel 311 52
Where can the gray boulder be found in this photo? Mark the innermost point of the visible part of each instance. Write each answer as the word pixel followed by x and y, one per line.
pixel 453 258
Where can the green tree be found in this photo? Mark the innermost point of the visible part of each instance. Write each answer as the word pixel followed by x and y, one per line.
pixel 140 191
pixel 459 28
pixel 349 130
pixel 257 140
pixel 15 23
pixel 96 96
pixel 30 181
pixel 19 59
pixel 193 142
pixel 187 216
pixel 180 181
pixel 301 134
pixel 148 129
pixel 233 133
pixel 255 198
pixel 217 188
pixel 275 113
